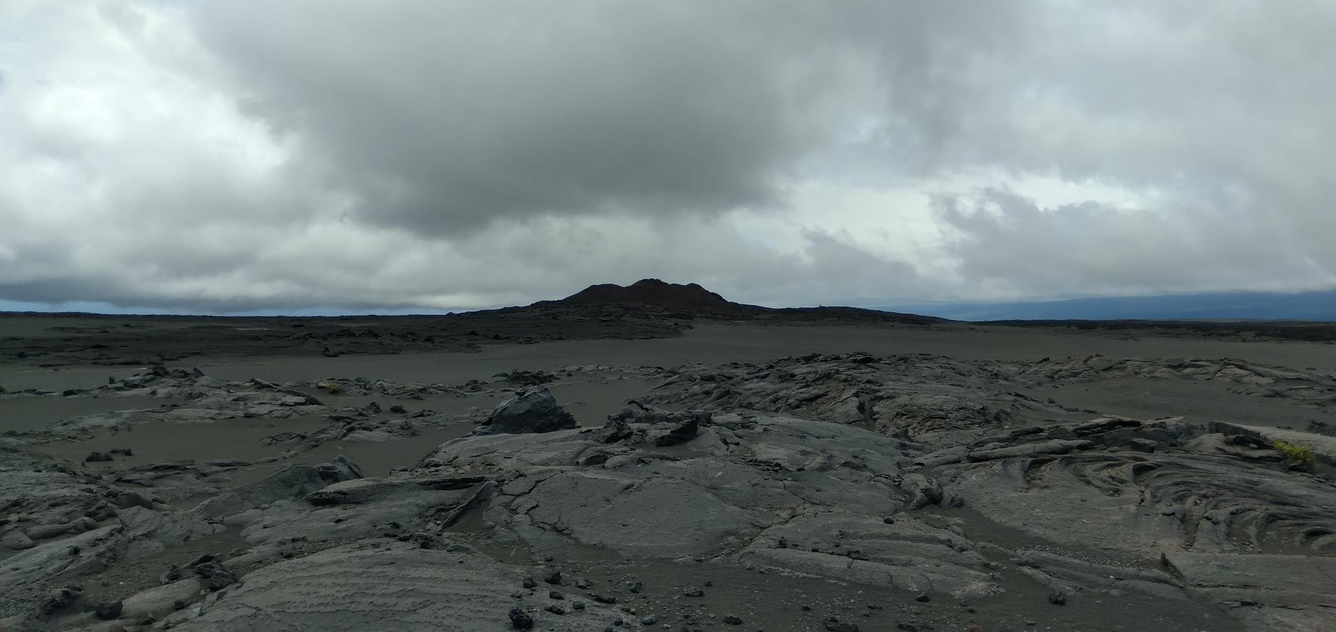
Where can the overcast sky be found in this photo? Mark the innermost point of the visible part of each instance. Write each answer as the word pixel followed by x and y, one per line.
pixel 214 156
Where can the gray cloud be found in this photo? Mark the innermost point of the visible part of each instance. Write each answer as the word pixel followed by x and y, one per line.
pixel 451 115
pixel 1091 249
pixel 251 155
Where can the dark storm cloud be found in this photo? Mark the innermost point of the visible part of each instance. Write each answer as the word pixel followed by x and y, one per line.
pixel 444 115
pixel 448 115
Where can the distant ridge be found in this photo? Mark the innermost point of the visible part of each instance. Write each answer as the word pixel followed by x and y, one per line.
pixel 687 300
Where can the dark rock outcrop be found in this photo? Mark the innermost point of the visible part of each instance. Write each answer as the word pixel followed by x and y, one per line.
pixel 530 410
pixel 681 432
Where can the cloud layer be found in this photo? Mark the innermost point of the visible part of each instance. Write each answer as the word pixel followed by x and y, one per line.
pixel 244 155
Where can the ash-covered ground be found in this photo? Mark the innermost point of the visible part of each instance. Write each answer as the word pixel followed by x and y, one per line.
pixel 610 467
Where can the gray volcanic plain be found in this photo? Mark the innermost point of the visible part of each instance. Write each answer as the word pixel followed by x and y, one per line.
pixel 654 457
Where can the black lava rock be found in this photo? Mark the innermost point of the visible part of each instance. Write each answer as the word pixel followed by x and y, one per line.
pixel 520 619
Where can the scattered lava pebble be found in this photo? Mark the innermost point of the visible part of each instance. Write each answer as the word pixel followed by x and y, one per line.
pixel 520 619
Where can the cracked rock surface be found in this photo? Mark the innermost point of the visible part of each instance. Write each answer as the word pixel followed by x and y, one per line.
pixel 845 490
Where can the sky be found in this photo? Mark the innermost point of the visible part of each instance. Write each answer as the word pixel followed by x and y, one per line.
pixel 396 156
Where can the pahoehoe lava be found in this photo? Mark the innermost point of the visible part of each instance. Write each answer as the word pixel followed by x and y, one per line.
pixel 657 457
